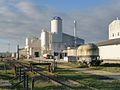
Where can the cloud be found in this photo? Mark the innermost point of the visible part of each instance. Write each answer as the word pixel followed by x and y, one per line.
pixel 92 24
pixel 19 19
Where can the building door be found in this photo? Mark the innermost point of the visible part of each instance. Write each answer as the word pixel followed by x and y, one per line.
pixel 36 54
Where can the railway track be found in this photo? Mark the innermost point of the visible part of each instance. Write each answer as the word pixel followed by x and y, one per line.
pixel 69 84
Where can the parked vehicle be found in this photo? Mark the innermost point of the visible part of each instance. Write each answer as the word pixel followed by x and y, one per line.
pixel 48 56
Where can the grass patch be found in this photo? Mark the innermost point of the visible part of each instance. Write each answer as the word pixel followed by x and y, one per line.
pixel 95 81
pixel 115 68
pixel 68 65
pixel 86 79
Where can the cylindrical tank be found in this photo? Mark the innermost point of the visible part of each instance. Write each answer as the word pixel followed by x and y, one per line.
pixel 89 54
pixel 56 29
pixel 56 25
pixel 88 50
pixel 28 41
pixel 44 40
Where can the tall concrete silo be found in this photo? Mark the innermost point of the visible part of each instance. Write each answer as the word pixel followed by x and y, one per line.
pixel 44 41
pixel 56 30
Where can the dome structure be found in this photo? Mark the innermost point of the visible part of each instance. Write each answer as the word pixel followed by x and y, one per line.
pixel 114 29
pixel 56 18
pixel 87 47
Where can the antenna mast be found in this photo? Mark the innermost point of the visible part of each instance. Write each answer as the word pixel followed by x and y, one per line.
pixel 75 33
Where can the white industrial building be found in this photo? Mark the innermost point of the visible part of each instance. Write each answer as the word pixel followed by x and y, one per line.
pixel 109 50
pixel 33 47
pixel 53 42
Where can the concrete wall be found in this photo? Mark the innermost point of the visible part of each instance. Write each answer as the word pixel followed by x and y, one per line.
pixel 71 52
pixel 33 50
pixel 33 46
pixel 110 52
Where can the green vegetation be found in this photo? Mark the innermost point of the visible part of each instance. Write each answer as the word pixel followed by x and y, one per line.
pixel 95 81
pixel 68 65
pixel 87 81
pixel 115 68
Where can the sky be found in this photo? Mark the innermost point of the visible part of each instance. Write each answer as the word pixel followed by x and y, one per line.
pixel 22 18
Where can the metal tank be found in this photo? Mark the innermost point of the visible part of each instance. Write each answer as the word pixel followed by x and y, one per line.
pixel 44 41
pixel 89 54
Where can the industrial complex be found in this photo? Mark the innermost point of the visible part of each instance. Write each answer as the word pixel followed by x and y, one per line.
pixel 54 43
pixel 58 43
pixel 44 59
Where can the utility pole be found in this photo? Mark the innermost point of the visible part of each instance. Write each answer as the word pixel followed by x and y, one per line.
pixel 75 43
pixel 17 52
pixel 75 34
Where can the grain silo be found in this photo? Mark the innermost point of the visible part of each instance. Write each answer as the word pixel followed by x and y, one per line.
pixel 56 29
pixel 44 41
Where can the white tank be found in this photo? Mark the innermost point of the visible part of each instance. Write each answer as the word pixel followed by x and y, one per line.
pixel 44 40
pixel 56 29
pixel 28 41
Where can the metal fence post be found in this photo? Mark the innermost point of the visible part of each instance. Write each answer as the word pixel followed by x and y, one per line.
pixel 27 82
pixel 20 76
pixel 32 88
pixel 24 78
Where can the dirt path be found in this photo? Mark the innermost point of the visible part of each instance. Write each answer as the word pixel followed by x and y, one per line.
pixel 104 73
pixel 99 72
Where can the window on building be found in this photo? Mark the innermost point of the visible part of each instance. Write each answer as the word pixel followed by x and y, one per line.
pixel 36 54
pixel 113 34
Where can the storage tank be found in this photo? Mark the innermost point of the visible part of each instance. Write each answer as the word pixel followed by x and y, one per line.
pixel 89 54
pixel 56 28
pixel 44 40
pixel 56 25
pixel 88 50
pixel 28 41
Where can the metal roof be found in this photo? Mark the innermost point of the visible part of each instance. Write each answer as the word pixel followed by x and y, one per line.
pixel 109 42
pixel 56 18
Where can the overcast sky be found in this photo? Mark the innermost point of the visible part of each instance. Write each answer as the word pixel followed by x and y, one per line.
pixel 22 18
